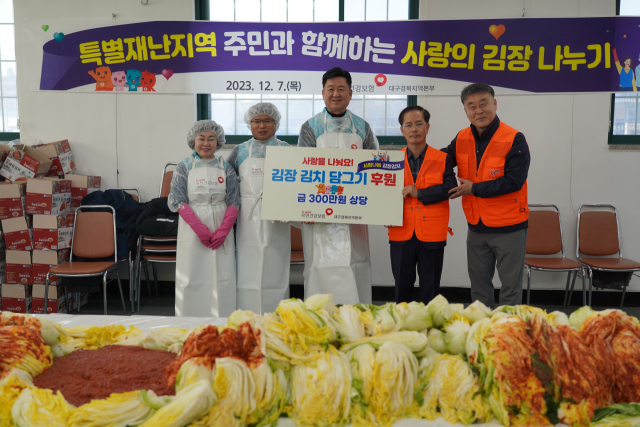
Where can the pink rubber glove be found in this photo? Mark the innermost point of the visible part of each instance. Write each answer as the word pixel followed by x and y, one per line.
pixel 218 237
pixel 201 230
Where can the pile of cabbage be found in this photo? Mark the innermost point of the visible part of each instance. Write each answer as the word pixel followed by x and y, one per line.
pixel 325 365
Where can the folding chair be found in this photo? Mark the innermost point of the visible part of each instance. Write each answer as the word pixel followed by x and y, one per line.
pixel 599 236
pixel 136 196
pixel 297 254
pixel 94 237
pixel 544 237
pixel 152 250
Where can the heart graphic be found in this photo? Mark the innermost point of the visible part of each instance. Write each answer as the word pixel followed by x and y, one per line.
pixel 497 30
pixel 58 37
pixel 45 28
pixel 167 73
pixel 329 211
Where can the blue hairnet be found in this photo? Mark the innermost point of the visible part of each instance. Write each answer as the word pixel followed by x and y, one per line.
pixel 204 126
pixel 262 108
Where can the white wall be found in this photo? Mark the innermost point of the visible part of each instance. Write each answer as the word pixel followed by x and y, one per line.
pixel 567 134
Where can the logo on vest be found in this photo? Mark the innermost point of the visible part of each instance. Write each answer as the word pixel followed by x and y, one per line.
pixel 220 180
pixel 354 147
pixel 494 172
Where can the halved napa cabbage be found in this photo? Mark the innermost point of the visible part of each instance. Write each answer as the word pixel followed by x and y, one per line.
pixel 416 341
pixel 189 404
pixel 451 390
pixel 455 335
pixel 617 415
pixel 319 302
pixel 362 362
pixel 349 322
pixel 384 319
pixel 522 311
pixel 440 310
pixel 22 347
pixel 416 317
pixel 11 385
pixel 234 386
pixel 557 318
pixel 476 311
pixel 158 339
pixel 303 325
pixel 118 410
pixel 94 337
pixel 192 371
pixel 37 407
pixel 271 392
pixel 52 333
pixel 394 377
pixel 238 317
pixel 321 391
pixel 436 340
pixel 577 318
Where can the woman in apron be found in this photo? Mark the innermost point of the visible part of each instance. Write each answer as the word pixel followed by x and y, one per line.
pixel 204 191
pixel 264 247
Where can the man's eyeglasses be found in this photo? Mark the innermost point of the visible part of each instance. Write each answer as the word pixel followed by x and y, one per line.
pixel 265 121
pixel 410 126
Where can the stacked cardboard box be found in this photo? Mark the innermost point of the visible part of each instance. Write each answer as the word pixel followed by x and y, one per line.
pixel 37 220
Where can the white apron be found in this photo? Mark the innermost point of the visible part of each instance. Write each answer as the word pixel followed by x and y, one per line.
pixel 205 278
pixel 337 259
pixel 264 247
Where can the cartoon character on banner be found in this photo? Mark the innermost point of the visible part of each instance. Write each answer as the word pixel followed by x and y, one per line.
pixel 334 189
pixel 320 188
pixel 148 81
pixel 340 189
pixel 102 75
pixel 327 189
pixel 133 80
pixel 627 79
pixel 119 80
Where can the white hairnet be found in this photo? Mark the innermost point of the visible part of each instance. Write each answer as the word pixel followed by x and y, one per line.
pixel 204 126
pixel 262 108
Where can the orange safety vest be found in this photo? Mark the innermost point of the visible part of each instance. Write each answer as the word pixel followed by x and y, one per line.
pixel 429 222
pixel 499 211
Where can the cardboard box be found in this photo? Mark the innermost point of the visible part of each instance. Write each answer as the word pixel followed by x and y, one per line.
pixel 11 200
pixel 3 263
pixel 24 162
pixel 18 268
pixel 48 196
pixel 17 235
pixel 4 152
pixel 57 302
pixel 59 153
pixel 43 261
pixel 81 185
pixel 51 232
pixel 16 298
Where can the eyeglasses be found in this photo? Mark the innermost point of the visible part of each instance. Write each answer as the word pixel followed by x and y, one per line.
pixel 410 126
pixel 265 121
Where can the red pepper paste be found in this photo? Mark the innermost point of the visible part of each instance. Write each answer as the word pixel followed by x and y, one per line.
pixel 85 375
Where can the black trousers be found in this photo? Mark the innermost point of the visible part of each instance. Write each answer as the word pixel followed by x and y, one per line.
pixel 403 265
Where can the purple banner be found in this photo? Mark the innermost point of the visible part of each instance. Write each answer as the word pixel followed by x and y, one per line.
pixel 411 57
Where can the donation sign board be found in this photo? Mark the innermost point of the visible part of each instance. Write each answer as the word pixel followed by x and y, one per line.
pixel 333 185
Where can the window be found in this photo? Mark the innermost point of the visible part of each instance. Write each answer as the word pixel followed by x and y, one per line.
pixel 624 127
pixel 8 92
pixel 380 111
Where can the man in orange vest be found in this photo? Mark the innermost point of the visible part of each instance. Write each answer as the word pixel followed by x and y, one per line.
pixel 493 164
pixel 428 177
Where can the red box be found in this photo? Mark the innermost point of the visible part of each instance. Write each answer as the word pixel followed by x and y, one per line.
pixel 24 162
pixel 59 153
pixel 81 185
pixel 57 302
pixel 16 234
pixel 48 196
pixel 19 268
pixel 11 200
pixel 51 232
pixel 43 261
pixel 16 298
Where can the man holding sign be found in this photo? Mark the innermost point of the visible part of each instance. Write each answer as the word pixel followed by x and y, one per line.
pixel 421 239
pixel 337 258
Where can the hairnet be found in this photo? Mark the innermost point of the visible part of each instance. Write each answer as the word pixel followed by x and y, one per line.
pixel 262 108
pixel 204 126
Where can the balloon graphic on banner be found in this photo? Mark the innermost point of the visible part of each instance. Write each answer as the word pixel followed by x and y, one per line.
pixel 497 30
pixel 45 28
pixel 167 74
pixel 58 37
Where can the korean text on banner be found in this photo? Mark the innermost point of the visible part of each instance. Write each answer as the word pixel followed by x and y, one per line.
pixel 333 185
